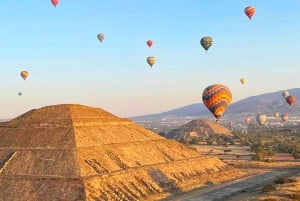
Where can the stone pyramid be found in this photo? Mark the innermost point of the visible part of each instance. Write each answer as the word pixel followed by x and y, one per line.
pixel 72 152
pixel 198 128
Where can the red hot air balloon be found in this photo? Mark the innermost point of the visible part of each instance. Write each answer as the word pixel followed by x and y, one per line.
pixel 54 2
pixel 247 120
pixel 284 118
pixel 249 11
pixel 291 100
pixel 149 43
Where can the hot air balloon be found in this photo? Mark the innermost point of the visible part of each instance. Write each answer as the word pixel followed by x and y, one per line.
pixel 206 42
pixel 261 119
pixel 276 114
pixel 285 94
pixel 151 61
pixel 20 94
pixel 217 98
pixel 149 43
pixel 243 80
pixel 247 120
pixel 291 100
pixel 24 74
pixel 100 37
pixel 54 2
pixel 284 118
pixel 249 11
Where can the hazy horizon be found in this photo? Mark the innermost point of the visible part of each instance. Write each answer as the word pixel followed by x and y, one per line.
pixel 59 48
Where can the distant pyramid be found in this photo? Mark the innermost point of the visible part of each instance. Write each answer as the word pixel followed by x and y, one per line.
pixel 198 128
pixel 73 152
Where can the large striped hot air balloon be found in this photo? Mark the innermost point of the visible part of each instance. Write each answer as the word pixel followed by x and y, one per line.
pixel 249 11
pixel 217 98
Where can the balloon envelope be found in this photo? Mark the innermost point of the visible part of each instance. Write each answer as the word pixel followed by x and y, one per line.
pixel 20 94
pixel 206 42
pixel 249 11
pixel 247 120
pixel 151 61
pixel 24 74
pixel 100 37
pixel 276 114
pixel 54 2
pixel 284 118
pixel 217 99
pixel 285 94
pixel 243 80
pixel 261 119
pixel 149 43
pixel 291 100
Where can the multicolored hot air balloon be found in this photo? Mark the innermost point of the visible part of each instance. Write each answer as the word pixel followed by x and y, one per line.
pixel 276 114
pixel 24 74
pixel 54 2
pixel 285 94
pixel 151 61
pixel 247 120
pixel 284 118
pixel 261 119
pixel 243 80
pixel 217 98
pixel 206 42
pixel 149 43
pixel 249 11
pixel 100 37
pixel 291 100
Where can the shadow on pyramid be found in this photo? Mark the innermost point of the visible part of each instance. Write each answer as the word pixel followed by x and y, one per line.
pixel 72 152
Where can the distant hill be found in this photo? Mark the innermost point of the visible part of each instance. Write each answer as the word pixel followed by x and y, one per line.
pixel 198 128
pixel 265 103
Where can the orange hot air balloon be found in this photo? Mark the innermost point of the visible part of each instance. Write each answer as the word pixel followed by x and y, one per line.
pixel 291 100
pixel 247 120
pixel 149 43
pixel 284 118
pixel 24 74
pixel 249 11
pixel 54 2
pixel 217 98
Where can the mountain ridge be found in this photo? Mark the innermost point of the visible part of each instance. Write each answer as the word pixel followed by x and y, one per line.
pixel 262 103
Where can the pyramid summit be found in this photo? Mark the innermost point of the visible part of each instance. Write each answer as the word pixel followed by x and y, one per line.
pixel 74 152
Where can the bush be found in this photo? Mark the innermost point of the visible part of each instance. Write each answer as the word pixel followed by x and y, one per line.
pixel 227 150
pixel 268 188
pixel 295 196
pixel 284 180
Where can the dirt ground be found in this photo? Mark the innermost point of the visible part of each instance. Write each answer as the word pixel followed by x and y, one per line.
pixel 260 183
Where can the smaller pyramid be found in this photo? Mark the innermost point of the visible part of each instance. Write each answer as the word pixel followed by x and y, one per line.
pixel 196 129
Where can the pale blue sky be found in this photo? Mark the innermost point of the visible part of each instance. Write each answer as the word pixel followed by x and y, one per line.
pixel 67 63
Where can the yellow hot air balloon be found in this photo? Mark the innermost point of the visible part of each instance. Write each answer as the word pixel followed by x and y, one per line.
pixel 151 61
pixel 276 114
pixel 261 119
pixel 100 37
pixel 24 74
pixel 243 80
